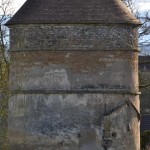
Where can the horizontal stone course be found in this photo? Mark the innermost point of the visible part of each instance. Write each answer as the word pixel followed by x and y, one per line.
pixel 72 37
pixel 74 71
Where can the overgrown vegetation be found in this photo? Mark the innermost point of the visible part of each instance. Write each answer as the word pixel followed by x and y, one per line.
pixel 5 14
pixel 145 138
pixel 4 92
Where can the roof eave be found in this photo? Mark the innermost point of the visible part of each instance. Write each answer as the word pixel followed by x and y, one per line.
pixel 135 22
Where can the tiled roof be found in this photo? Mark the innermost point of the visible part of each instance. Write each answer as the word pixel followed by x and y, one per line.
pixel 145 123
pixel 73 11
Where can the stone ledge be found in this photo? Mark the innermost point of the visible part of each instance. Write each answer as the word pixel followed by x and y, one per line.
pixel 73 92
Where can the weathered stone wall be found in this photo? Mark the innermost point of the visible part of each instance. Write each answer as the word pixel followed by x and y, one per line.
pixel 75 71
pixel 76 88
pixel 73 37
pixel 73 122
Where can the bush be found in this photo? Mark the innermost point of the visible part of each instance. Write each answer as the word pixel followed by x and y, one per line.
pixel 145 140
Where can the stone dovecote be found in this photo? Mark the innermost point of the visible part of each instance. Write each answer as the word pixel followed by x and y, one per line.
pixel 74 76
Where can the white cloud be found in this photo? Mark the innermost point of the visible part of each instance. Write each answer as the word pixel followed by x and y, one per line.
pixel 17 4
pixel 144 5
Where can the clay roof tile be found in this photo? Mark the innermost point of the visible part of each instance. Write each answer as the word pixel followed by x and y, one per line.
pixel 73 11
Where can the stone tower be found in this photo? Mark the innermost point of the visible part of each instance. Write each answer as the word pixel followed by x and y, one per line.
pixel 74 76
